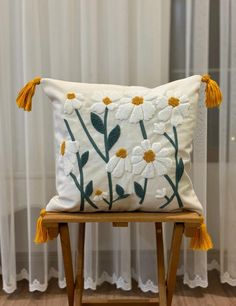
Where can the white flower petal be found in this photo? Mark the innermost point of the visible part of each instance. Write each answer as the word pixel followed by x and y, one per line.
pixel 79 96
pixel 159 128
pixel 161 102
pixel 119 168
pixel 114 96
pixel 72 146
pixel 136 158
pixel 110 166
pixel 98 96
pixel 184 109
pixel 98 108
pixel 105 194
pixel 124 111
pixel 184 99
pixel 177 117
pixel 156 146
pixel 164 152
pixel 139 167
pixel 138 151
pixel 146 144
pixel 148 110
pixel 165 113
pixel 112 106
pixel 149 171
pixel 166 161
pixel 76 103
pixel 160 193
pixel 125 100
pixel 161 168
pixel 68 107
pixel 128 166
pixel 137 114
pixel 97 198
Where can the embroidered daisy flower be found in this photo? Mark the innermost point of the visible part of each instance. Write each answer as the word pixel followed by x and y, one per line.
pixel 68 152
pixel 73 101
pixel 160 193
pixel 160 128
pixel 173 106
pixel 136 106
pixel 105 99
pixel 149 159
pixel 99 195
pixel 119 163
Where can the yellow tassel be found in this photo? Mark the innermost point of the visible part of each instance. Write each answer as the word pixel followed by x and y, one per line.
pixel 212 92
pixel 42 234
pixel 201 239
pixel 24 98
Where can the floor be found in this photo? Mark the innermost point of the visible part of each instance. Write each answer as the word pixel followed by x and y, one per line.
pixel 216 294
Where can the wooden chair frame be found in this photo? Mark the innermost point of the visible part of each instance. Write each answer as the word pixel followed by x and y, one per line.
pixel 184 223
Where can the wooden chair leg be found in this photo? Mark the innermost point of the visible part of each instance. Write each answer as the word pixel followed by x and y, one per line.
pixel 174 260
pixel 79 284
pixel 160 264
pixel 67 258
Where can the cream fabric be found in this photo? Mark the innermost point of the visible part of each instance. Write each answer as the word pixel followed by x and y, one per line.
pixel 126 147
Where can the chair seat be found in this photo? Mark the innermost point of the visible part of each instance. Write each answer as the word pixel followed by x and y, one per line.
pixel 62 217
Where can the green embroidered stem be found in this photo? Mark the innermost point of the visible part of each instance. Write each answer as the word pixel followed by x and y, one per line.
pixel 175 190
pixel 89 136
pixel 81 180
pixel 170 140
pixel 143 130
pixel 144 134
pixel 176 155
pixel 107 159
pixel 179 167
pixel 168 200
pixel 144 191
pixel 69 130
pixel 79 165
pixel 82 192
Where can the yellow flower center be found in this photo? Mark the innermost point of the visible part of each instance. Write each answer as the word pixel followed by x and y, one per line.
pixel 173 101
pixel 137 100
pixel 149 156
pixel 98 192
pixel 106 100
pixel 63 148
pixel 122 153
pixel 70 95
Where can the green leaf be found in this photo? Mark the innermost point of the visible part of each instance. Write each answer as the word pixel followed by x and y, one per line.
pixel 97 123
pixel 84 158
pixel 89 189
pixel 179 170
pixel 113 137
pixel 119 190
pixel 138 190
pixel 124 196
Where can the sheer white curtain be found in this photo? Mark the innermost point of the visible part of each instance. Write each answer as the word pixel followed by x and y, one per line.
pixel 228 143
pixel 105 41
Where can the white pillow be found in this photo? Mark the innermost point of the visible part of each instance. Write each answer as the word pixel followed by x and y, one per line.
pixel 123 148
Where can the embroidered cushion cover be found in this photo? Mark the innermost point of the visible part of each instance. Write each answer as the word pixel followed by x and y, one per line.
pixel 124 148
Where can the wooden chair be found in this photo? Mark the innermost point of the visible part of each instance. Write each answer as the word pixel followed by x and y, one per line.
pixel 184 223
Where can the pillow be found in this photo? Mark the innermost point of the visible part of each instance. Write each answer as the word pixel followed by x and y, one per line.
pixel 124 148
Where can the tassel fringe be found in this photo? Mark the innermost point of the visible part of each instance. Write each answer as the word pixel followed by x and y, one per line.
pixel 42 234
pixel 201 239
pixel 212 92
pixel 24 98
